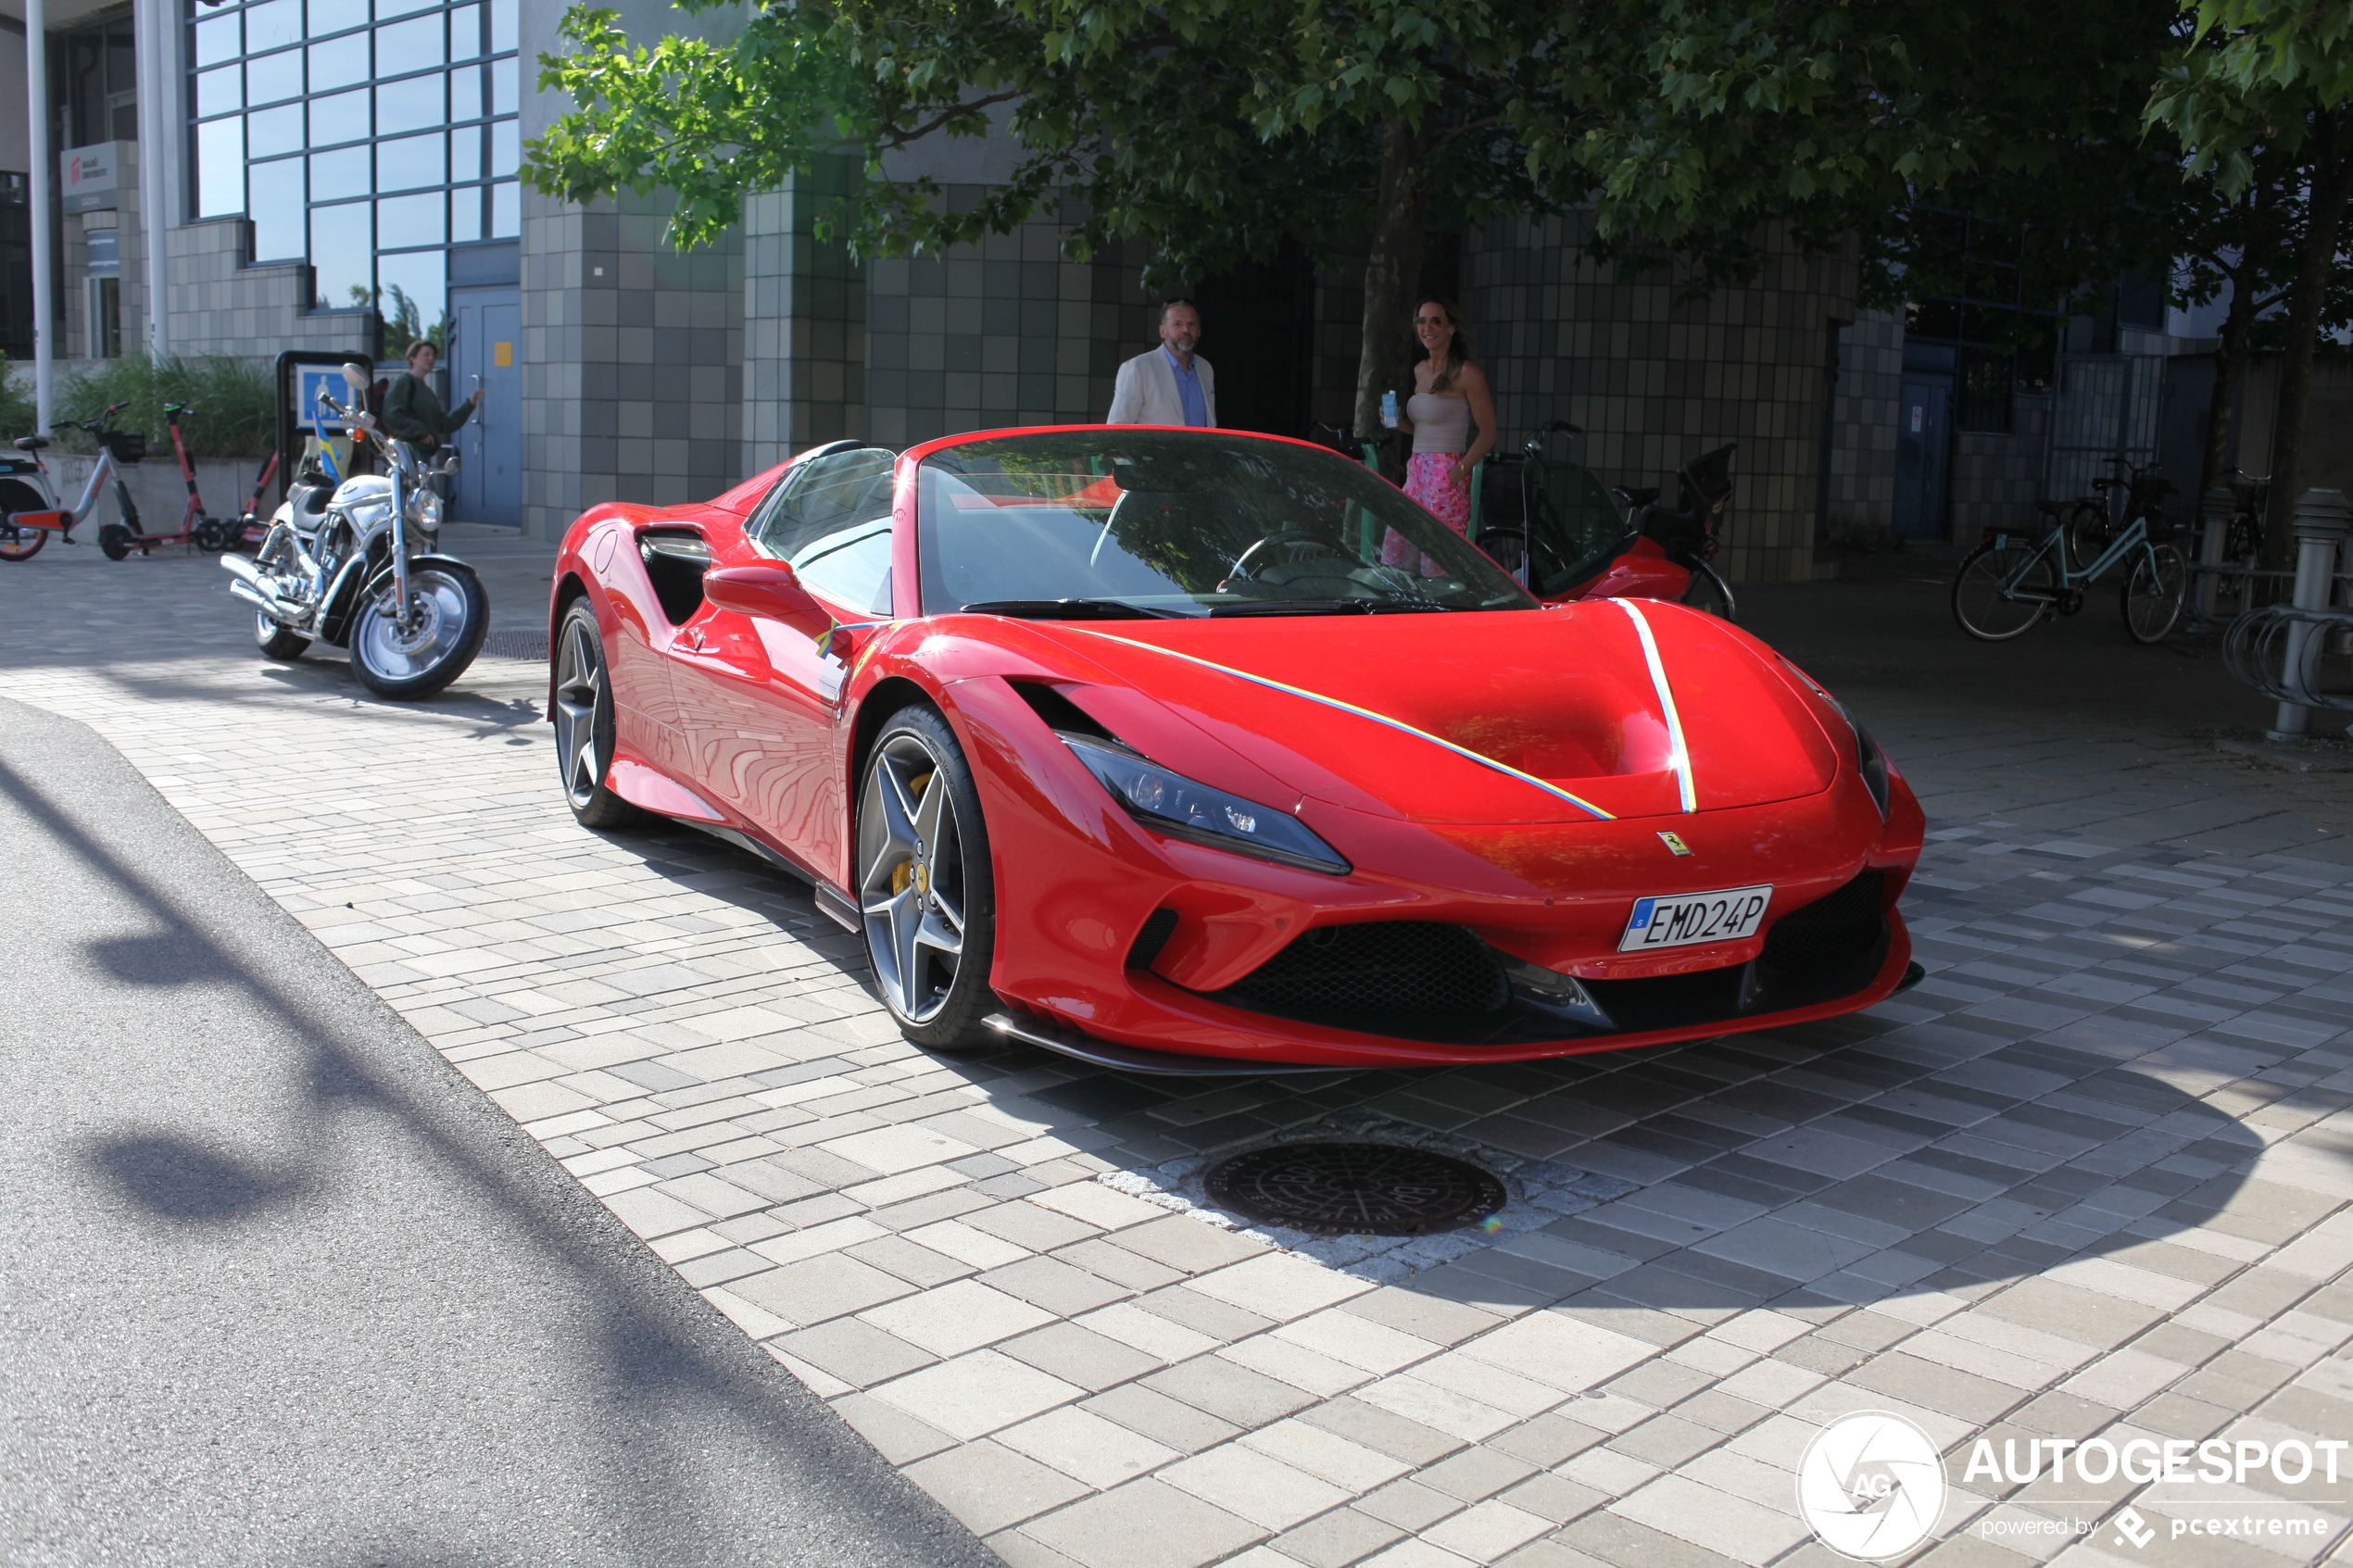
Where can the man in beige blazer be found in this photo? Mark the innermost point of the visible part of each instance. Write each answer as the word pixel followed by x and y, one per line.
pixel 1171 384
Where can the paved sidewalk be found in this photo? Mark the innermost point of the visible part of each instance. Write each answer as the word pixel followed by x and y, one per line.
pixel 2089 1178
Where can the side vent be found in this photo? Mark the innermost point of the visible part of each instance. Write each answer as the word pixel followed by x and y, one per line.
pixel 1158 928
pixel 1060 712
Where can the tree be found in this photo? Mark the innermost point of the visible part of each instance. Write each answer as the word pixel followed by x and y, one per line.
pixel 1212 132
pixel 2257 80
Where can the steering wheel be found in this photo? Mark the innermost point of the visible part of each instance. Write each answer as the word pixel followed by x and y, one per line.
pixel 1288 536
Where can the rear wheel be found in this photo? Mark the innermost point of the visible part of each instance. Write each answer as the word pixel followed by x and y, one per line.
pixel 1708 592
pixel 925 887
pixel 582 715
pixel 276 641
pixel 2153 593
pixel 1991 572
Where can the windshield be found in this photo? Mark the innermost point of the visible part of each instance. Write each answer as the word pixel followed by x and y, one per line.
pixel 1127 522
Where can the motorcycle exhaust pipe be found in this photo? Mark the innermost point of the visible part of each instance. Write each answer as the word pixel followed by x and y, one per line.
pixel 251 587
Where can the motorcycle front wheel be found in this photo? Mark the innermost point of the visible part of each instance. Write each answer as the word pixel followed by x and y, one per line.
pixel 450 616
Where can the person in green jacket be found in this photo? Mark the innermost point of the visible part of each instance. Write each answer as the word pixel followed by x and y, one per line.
pixel 412 411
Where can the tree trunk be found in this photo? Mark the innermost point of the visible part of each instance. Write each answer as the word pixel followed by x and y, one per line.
pixel 2230 374
pixel 1392 272
pixel 2316 255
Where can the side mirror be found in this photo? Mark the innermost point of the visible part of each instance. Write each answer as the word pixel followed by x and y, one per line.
pixel 449 463
pixel 763 588
pixel 353 379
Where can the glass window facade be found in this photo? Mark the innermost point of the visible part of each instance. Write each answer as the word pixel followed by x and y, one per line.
pixel 363 136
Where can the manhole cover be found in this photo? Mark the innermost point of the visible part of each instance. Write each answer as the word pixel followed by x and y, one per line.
pixel 516 645
pixel 1354 1189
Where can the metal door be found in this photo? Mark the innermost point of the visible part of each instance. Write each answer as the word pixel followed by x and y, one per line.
pixel 2106 408
pixel 485 350
pixel 1923 459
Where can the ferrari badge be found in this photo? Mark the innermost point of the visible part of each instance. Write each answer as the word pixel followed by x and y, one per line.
pixel 1675 842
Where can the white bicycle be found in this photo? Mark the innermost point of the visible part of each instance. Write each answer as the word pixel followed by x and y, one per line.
pixel 29 509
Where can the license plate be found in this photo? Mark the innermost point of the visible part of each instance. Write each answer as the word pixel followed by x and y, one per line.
pixel 1681 918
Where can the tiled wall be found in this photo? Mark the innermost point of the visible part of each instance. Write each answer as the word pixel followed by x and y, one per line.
pixel 1998 476
pixel 1004 333
pixel 633 361
pixel 804 372
pixel 1655 381
pixel 222 306
pixel 1870 383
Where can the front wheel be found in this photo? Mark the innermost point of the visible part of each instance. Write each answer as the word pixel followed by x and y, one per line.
pixel 115 540
pixel 925 887
pixel 448 617
pixel 2000 593
pixel 1708 592
pixel 276 641
pixel 2153 594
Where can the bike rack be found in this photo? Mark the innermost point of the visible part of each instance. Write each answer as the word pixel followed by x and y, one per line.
pixel 2254 651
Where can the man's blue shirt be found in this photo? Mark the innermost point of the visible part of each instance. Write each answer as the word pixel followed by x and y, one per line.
pixel 1188 388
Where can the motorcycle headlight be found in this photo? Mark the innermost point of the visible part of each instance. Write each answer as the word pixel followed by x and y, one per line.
pixel 425 507
pixel 1187 808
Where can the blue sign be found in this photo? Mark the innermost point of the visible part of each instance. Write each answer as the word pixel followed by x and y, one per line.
pixel 308 382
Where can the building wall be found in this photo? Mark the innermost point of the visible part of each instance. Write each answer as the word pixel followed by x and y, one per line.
pixel 219 305
pixel 633 361
pixel 1871 383
pixel 1656 381
pixel 804 371
pixel 1997 476
pixel 1008 332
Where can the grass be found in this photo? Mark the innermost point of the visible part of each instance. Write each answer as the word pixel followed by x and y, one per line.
pixel 234 405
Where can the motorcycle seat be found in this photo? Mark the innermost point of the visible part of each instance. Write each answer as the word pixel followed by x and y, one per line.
pixel 31 443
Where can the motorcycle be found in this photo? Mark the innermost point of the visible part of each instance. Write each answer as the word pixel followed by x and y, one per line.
pixel 342 565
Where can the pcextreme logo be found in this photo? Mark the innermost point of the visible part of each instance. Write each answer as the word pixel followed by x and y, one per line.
pixel 1872 1486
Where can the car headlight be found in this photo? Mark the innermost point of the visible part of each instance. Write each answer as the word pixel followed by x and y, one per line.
pixel 425 507
pixel 1870 762
pixel 1184 807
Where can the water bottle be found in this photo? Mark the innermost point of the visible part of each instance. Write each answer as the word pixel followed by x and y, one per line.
pixel 1389 409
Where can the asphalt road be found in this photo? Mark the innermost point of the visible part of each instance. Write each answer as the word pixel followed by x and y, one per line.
pixel 277 1287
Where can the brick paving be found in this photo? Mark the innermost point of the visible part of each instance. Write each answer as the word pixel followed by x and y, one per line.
pixel 2090 1177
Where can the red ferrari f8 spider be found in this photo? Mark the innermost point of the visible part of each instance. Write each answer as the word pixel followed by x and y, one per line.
pixel 1196 750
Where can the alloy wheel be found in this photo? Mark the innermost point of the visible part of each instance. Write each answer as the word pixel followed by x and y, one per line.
pixel 580 679
pixel 910 876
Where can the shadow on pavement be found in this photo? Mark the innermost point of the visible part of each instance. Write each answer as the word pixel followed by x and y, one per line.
pixel 695 1448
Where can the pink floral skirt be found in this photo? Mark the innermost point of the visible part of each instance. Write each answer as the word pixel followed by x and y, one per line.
pixel 1426 483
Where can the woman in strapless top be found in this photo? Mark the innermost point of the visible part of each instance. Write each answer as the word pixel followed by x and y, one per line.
pixel 1450 397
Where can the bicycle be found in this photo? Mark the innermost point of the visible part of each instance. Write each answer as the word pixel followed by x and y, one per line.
pixel 2012 582
pixel 25 528
pixel 2242 540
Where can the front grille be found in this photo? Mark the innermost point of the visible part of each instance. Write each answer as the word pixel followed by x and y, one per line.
pixel 1829 933
pixel 1377 969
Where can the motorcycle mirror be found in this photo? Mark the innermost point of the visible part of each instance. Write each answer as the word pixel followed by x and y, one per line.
pixel 353 379
pixel 763 588
pixel 449 463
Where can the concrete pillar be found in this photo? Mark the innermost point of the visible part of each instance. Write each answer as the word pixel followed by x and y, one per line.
pixel 44 160
pixel 2214 512
pixel 2323 518
pixel 152 22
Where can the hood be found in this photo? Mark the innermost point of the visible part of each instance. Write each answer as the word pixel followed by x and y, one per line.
pixel 1565 694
